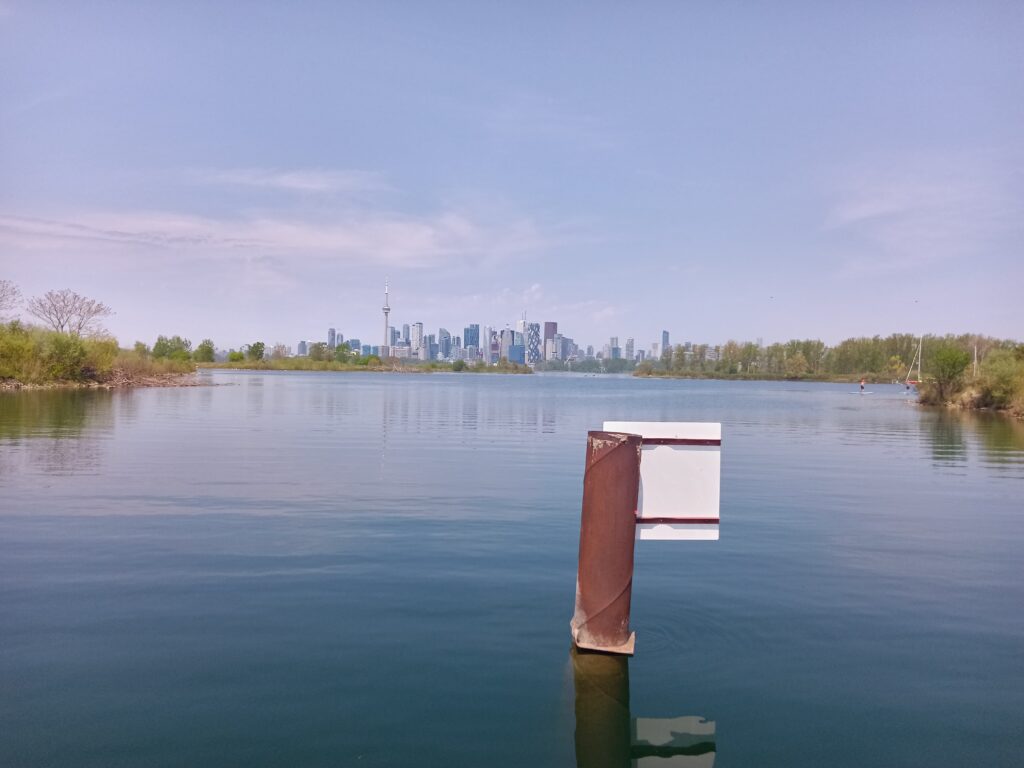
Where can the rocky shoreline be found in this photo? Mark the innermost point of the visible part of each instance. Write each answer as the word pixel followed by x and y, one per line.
pixel 117 380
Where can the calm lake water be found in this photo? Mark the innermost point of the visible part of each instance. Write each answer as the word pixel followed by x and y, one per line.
pixel 334 570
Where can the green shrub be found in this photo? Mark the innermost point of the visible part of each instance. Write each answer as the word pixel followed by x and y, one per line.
pixel 1001 379
pixel 63 356
pixel 100 355
pixel 17 351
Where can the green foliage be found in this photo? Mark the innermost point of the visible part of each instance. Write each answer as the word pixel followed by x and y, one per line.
pixel 235 356
pixel 617 365
pixel 173 348
pixel 1001 380
pixel 343 353
pixel 18 356
pixel 796 365
pixel 204 352
pixel 255 350
pixel 584 366
pixel 33 355
pixel 459 365
pixel 141 349
pixel 947 367
pixel 63 355
pixel 318 351
pixel 100 356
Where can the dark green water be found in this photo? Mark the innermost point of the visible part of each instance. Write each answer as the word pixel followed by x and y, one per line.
pixel 334 570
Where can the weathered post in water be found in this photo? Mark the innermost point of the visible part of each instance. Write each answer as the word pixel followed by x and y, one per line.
pixel 604 583
pixel 643 480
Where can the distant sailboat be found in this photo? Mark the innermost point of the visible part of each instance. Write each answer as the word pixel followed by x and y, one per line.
pixel 917 359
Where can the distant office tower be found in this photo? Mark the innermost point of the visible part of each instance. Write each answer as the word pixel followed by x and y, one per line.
pixel 521 325
pixel 393 336
pixel 630 354
pixel 444 343
pixel 508 338
pixel 330 338
pixel 655 350
pixel 364 350
pixel 485 344
pixel 416 340
pixel 561 351
pixel 303 349
pixel 387 309
pixel 517 354
pixel 550 329
pixel 590 350
pixel 664 340
pixel 533 344
pixel 471 335
pixel 353 344
pixel 405 333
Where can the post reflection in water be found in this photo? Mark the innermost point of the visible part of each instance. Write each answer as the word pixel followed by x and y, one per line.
pixel 607 736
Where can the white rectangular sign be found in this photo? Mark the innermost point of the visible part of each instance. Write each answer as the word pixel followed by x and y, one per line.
pixel 680 477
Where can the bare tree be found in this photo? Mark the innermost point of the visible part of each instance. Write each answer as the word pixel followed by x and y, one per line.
pixel 67 312
pixel 10 297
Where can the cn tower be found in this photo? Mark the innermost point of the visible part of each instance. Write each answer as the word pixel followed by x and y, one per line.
pixel 387 342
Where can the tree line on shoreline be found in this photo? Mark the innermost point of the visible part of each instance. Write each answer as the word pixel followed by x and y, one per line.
pixel 73 346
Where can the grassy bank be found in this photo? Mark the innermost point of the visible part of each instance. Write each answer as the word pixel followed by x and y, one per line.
pixel 35 357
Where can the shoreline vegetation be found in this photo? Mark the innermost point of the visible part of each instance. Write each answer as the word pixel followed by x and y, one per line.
pixel 969 372
pixel 72 349
pixel 37 358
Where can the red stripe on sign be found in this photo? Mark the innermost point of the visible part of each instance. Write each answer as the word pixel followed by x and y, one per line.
pixel 679 441
pixel 677 520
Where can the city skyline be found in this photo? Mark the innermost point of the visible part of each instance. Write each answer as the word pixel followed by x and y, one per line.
pixel 240 172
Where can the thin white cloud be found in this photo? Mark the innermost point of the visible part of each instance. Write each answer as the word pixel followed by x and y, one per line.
pixel 912 214
pixel 309 180
pixel 349 238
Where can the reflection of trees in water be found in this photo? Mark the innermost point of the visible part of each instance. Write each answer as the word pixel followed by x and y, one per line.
pixel 946 434
pixel 45 431
pixel 54 413
pixel 999 438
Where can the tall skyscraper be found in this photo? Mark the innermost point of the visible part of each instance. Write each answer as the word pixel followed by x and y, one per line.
pixel 485 344
pixel 331 338
pixel 630 354
pixel 416 340
pixel 387 309
pixel 471 335
pixel 444 343
pixel 507 340
pixel 405 333
pixel 550 329
pixel 664 339
pixel 533 344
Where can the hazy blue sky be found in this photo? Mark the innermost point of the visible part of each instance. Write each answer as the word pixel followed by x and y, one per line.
pixel 253 170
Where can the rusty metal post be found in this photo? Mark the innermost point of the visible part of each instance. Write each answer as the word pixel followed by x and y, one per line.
pixel 604 583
